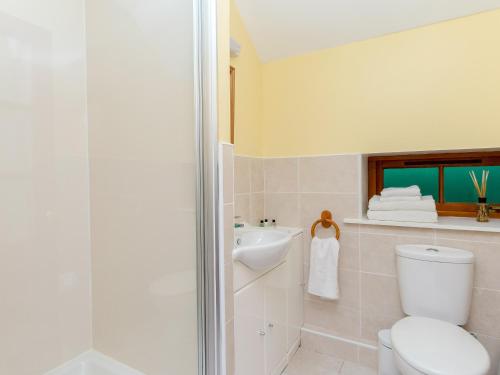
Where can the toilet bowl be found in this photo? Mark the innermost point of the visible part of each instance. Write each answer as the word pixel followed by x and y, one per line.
pixel 440 341
pixel 426 346
pixel 435 285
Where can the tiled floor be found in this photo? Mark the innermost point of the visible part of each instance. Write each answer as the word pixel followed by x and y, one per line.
pixel 306 362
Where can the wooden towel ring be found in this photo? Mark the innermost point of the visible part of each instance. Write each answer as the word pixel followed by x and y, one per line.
pixel 326 221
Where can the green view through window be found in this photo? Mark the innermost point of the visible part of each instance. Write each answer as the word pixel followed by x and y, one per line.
pixel 426 178
pixel 458 187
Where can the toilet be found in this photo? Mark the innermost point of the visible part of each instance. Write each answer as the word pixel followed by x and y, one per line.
pixel 435 284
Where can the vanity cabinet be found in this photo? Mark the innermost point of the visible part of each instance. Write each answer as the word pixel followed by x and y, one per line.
pixel 269 315
pixel 295 292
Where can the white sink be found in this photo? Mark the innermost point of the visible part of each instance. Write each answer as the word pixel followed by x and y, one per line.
pixel 260 249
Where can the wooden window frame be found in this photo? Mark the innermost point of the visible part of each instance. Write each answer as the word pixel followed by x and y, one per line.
pixel 377 164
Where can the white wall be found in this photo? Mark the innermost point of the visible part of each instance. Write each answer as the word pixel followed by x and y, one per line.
pixel 44 198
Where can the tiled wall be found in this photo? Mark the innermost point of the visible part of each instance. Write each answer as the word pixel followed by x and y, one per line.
pixel 249 188
pixel 296 190
pixel 228 212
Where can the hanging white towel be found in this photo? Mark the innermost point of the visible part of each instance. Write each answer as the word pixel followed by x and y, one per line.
pixel 323 270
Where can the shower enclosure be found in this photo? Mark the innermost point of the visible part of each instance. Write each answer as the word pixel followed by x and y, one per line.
pixel 107 188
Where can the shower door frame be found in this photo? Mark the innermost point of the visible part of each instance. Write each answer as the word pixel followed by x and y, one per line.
pixel 210 353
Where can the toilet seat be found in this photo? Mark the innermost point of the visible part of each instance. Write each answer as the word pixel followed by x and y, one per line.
pixel 435 347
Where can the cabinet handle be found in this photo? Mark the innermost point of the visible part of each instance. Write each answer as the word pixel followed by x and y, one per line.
pixel 270 325
pixel 261 332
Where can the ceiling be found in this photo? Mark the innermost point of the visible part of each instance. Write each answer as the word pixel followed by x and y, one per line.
pixel 283 28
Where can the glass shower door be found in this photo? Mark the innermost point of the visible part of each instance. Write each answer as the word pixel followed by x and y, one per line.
pixel 142 182
pixel 100 187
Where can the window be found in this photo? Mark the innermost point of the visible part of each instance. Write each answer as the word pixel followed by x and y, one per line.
pixel 445 176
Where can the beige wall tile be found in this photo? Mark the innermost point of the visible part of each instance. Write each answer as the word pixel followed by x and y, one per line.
pixel 228 173
pixel 485 312
pixel 329 174
pixel 368 357
pixel 341 206
pixel 378 253
pixel 229 295
pixel 228 232
pixel 468 236
pixel 372 322
pixel 257 208
pixel 492 345
pixel 242 206
pixel 241 174
pixel 332 318
pixel 281 175
pixel 257 175
pixel 487 261
pixel 284 207
pixel 329 346
pixel 349 288
pixel 380 295
pixel 398 231
pixel 349 251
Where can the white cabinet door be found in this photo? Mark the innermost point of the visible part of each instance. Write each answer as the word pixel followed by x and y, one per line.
pixel 276 319
pixel 295 261
pixel 250 329
pixel 268 317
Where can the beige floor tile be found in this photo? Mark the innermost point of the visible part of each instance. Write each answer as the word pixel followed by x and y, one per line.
pixel 351 368
pixel 306 362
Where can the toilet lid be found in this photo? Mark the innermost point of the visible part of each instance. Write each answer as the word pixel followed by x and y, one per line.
pixel 435 347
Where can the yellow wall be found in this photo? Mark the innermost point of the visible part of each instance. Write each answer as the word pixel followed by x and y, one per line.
pixel 436 87
pixel 248 119
pixel 223 107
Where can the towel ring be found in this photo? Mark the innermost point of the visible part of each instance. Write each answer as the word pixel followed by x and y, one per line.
pixel 326 221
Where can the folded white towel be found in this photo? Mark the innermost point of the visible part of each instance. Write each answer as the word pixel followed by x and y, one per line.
pixel 396 198
pixel 323 270
pixel 427 203
pixel 410 191
pixel 411 216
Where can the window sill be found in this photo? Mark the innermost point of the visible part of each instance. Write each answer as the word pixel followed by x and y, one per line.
pixel 444 222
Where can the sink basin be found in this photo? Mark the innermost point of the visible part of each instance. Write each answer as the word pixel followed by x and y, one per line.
pixel 260 249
